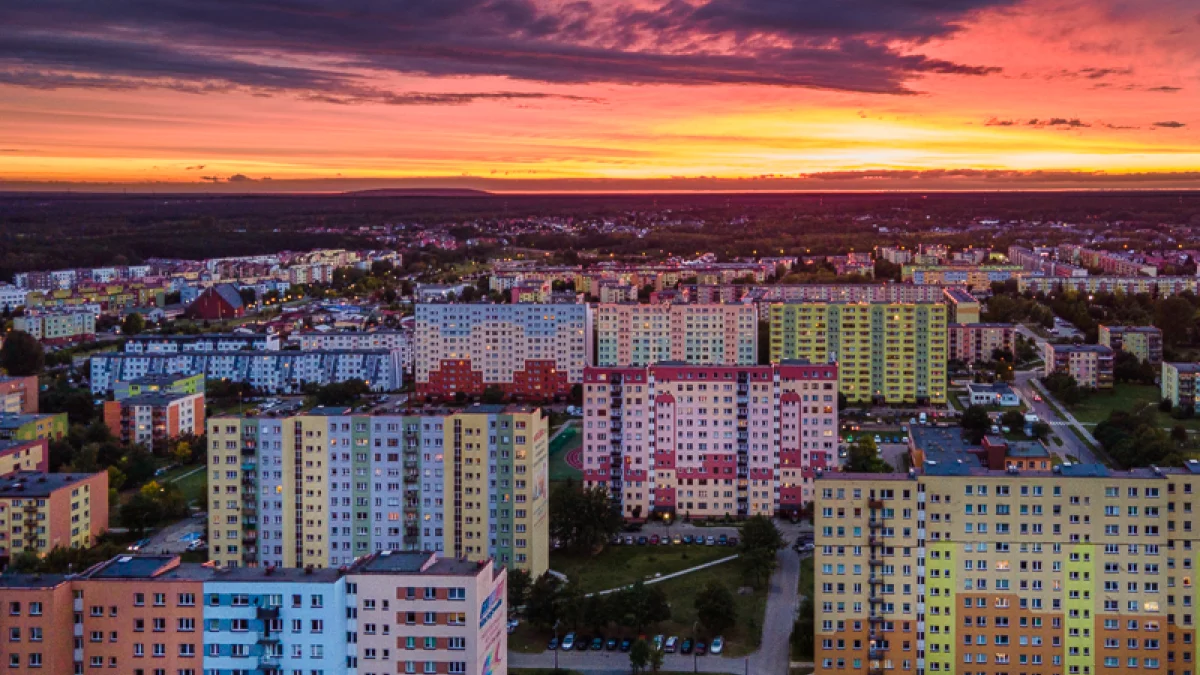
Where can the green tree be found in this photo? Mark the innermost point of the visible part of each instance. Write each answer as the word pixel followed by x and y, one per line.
pixel 639 656
pixel 863 457
pixel 519 583
pixel 760 534
pixel 133 324
pixel 493 394
pixel 804 629
pixel 975 424
pixel 1179 434
pixel 715 607
pixel 582 519
pixel 22 355
pixel 1041 430
pixel 542 604
pixel 1013 419
pixel 656 659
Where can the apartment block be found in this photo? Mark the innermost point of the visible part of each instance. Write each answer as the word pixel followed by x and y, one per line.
pixel 976 342
pixel 202 342
pixel 272 372
pixel 58 327
pixel 889 292
pixel 971 276
pixel 19 394
pixel 40 512
pixel 1090 365
pixel 163 383
pixel 1144 342
pixel 532 351
pixel 328 487
pixel 1130 285
pixel 702 334
pixel 962 307
pixel 895 255
pixel 31 427
pixel 33 455
pixel 959 569
pixel 391 340
pixel 698 441
pixel 390 612
pixel 153 419
pixel 886 352
pixel 1178 384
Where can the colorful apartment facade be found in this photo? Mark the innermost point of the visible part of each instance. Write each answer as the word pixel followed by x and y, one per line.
pixel 154 419
pixel 327 487
pixel 699 441
pixel 1080 569
pixel 532 351
pixel 19 394
pixel 886 352
pixel 961 306
pixel 40 512
pixel 699 334
pixel 1144 342
pixel 976 342
pixel 163 383
pixel 32 455
pixel 273 372
pixel 1090 365
pixel 971 276
pixel 58 327
pixel 1178 384
pixel 1130 285
pixel 33 426
pixel 389 612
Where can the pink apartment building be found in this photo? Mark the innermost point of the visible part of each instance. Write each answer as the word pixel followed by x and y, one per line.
pixel 697 441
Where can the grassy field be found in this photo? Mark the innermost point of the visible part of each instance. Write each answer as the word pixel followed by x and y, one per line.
pixel 563 444
pixel 748 609
pixel 1127 397
pixel 622 565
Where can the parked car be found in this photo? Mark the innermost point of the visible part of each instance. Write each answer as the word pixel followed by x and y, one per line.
pixel 581 644
pixel 723 540
pixel 654 540
pixel 568 642
pixel 665 541
pixel 711 541
pixel 657 642
pixel 686 647
pixel 687 539
pixel 626 645
pixel 553 644
pixel 701 648
pixel 598 643
pixel 628 540
pixel 677 539
pixel 671 645
pixel 642 541
pixel 877 439
pixel 512 625
pixel 616 540
pixel 197 545
pixel 611 644
pixel 733 541
pixel 1037 398
pixel 717 646
pixel 139 544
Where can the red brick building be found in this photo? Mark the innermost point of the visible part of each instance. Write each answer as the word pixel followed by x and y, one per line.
pixel 222 301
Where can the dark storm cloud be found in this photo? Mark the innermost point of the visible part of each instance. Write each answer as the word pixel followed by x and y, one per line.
pixel 334 50
pixel 1169 125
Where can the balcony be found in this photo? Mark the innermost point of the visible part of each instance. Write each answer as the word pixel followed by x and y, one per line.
pixel 875 503
pixel 266 613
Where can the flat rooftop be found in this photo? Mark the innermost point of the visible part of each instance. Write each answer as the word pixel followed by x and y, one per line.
pixel 14 420
pixel 943 445
pixel 37 484
pixel 416 562
pixel 31 580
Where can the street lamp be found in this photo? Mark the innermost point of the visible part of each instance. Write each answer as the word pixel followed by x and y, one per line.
pixel 695 662
pixel 556 645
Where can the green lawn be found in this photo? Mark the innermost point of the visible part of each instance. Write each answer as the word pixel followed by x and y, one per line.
pixel 618 566
pixel 1128 397
pixel 192 487
pixel 808 578
pixel 563 444
pixel 746 633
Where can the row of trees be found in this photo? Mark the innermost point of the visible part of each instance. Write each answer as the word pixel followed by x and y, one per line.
pixel 1134 438
pixel 583 520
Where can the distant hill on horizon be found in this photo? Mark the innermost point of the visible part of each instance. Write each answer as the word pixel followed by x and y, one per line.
pixel 419 192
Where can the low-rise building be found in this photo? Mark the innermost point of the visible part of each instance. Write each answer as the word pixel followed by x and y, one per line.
pixel 19 394
pixel 35 426
pixel 1179 384
pixel 151 343
pixel 1144 342
pixel 154 419
pixel 161 383
pixel 977 342
pixel 283 371
pixel 997 394
pixel 18 456
pixel 389 612
pixel 1090 365
pixel 217 303
pixel 58 327
pixel 40 512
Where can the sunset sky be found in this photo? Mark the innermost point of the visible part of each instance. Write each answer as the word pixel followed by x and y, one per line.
pixel 593 94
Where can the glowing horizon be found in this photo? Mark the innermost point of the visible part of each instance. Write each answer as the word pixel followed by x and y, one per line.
pixel 525 91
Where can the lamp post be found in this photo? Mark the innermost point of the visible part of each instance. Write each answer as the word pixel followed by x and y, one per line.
pixel 695 662
pixel 556 645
